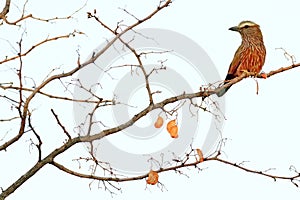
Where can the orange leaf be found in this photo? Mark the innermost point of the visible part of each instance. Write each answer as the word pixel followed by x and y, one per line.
pixel 152 177
pixel 159 122
pixel 174 131
pixel 171 124
pixel 200 154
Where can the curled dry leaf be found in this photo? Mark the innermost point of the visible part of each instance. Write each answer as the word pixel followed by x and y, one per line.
pixel 171 124
pixel 172 128
pixel 152 178
pixel 200 154
pixel 159 122
pixel 174 131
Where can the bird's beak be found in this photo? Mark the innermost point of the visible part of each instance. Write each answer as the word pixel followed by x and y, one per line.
pixel 235 28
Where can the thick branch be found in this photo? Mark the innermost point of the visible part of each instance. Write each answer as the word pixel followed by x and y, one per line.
pixel 264 76
pixel 5 10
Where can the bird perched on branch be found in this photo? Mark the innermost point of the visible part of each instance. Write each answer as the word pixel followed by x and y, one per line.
pixel 251 54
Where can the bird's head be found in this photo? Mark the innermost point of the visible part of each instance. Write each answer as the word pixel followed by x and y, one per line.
pixel 247 28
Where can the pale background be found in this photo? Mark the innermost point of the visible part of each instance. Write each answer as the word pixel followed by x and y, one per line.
pixel 262 129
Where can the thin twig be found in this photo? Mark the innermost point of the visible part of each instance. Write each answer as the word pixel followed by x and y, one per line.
pixel 60 124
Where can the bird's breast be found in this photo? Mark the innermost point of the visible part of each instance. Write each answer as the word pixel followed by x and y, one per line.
pixel 252 59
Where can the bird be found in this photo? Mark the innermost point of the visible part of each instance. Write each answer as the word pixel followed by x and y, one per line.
pixel 250 56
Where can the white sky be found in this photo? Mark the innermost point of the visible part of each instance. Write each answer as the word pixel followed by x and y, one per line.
pixel 262 129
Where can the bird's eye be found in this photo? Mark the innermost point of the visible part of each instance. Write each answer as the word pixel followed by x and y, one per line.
pixel 247 26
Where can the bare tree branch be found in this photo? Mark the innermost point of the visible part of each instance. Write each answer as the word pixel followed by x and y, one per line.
pixel 39 44
pixel 22 104
pixel 60 124
pixel 5 10
pixel 24 17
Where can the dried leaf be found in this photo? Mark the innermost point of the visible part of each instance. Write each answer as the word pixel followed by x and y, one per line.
pixel 152 178
pixel 200 154
pixel 172 128
pixel 159 122
pixel 174 131
pixel 171 124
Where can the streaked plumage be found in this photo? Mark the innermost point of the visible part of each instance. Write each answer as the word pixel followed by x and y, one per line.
pixel 251 54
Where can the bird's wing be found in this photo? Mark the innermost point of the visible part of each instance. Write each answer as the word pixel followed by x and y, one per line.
pixel 232 71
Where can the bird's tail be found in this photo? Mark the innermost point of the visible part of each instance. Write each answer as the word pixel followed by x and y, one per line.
pixel 223 91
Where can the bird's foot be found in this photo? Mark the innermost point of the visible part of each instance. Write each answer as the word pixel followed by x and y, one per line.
pixel 253 74
pixel 246 73
pixel 263 75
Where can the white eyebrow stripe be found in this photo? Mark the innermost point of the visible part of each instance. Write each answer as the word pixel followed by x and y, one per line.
pixel 246 23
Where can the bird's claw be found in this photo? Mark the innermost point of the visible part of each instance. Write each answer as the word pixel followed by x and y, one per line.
pixel 263 75
pixel 249 74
